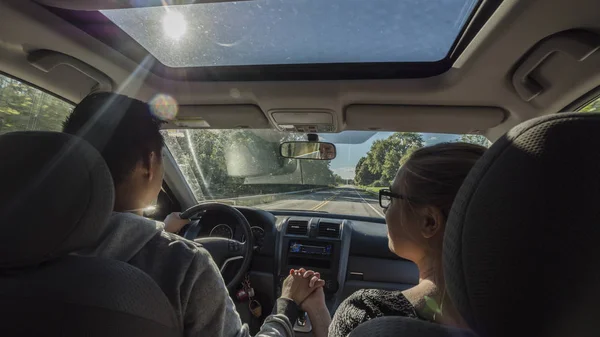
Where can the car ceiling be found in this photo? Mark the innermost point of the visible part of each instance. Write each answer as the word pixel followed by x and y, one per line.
pixel 478 87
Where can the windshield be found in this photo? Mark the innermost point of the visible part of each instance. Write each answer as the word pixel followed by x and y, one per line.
pixel 243 167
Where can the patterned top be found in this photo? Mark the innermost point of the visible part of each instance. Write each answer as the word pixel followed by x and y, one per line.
pixel 367 304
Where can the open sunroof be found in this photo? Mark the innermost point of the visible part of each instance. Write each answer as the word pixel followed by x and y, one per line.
pixel 296 32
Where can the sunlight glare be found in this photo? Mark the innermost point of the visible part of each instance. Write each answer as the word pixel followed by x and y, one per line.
pixel 174 24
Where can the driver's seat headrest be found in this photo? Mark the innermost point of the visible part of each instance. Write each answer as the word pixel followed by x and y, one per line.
pixel 522 243
pixel 56 197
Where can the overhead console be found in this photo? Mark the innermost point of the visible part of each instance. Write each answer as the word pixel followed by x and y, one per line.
pixel 318 244
pixel 304 120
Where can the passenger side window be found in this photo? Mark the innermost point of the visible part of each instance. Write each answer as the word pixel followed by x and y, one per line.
pixel 593 106
pixel 23 107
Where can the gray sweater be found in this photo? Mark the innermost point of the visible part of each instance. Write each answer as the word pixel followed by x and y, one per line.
pixel 188 276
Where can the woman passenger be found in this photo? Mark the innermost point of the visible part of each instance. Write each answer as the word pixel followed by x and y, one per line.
pixel 416 209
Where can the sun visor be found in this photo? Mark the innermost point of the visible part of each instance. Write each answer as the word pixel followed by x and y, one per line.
pixel 237 116
pixel 411 118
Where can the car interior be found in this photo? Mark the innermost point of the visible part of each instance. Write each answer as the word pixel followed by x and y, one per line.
pixel 269 108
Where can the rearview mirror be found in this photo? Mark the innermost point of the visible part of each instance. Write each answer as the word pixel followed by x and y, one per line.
pixel 307 150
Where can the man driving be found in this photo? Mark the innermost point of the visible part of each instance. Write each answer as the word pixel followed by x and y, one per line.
pixel 127 135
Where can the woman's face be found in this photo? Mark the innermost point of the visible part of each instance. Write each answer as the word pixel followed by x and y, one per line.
pixel 403 223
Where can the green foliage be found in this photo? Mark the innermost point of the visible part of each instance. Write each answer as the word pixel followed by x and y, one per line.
pixel 475 139
pixel 23 107
pixel 204 156
pixel 363 176
pixel 372 190
pixel 593 106
pixel 339 180
pixel 385 158
pixel 381 183
pixel 407 155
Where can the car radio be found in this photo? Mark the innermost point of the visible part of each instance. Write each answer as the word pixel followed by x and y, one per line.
pixel 310 248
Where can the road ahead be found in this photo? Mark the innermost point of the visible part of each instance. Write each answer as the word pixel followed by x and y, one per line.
pixel 341 200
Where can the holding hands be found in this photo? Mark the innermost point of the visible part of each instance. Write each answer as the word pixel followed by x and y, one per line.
pixel 305 287
pixel 301 284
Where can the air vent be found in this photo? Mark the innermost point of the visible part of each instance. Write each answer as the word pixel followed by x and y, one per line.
pixel 297 227
pixel 329 230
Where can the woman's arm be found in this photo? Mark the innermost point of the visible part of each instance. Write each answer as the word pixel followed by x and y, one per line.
pixel 318 313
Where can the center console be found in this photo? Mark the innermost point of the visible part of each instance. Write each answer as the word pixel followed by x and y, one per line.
pixel 317 244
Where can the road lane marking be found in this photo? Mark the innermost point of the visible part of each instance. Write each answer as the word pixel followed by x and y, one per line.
pixel 323 203
pixel 373 208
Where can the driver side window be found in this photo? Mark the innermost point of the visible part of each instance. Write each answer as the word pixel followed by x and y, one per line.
pixel 24 107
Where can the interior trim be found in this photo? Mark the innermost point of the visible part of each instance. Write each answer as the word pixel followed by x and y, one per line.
pixel 346 238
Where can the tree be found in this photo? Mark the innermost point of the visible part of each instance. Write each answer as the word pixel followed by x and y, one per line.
pixel 397 146
pixel 338 179
pixel 23 107
pixel 475 139
pixel 385 158
pixel 214 163
pixel 376 156
pixel 407 155
pixel 363 176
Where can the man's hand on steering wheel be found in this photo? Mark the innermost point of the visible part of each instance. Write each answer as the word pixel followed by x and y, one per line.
pixel 174 223
pixel 224 250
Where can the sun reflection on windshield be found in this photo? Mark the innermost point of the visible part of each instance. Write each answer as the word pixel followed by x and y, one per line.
pixel 174 24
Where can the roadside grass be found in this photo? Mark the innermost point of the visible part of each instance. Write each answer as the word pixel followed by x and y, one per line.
pixel 371 190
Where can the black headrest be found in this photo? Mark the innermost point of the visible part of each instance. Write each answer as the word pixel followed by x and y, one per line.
pixel 56 195
pixel 522 243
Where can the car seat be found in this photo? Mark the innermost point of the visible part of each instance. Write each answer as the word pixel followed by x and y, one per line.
pixel 55 198
pixel 521 248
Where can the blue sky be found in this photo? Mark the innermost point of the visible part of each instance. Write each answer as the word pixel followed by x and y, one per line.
pixel 349 154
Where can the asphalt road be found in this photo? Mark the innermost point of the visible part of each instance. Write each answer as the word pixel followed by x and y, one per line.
pixel 341 200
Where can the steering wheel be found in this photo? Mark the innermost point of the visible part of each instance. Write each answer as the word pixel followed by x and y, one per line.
pixel 224 250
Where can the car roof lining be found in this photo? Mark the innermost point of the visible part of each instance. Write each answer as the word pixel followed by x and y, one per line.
pixel 480 76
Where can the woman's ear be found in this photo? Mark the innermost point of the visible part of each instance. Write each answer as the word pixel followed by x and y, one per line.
pixel 433 222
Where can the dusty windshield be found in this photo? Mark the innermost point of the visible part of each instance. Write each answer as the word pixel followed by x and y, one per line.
pixel 243 167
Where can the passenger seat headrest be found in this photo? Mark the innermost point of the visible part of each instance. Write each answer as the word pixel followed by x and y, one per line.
pixel 56 196
pixel 522 243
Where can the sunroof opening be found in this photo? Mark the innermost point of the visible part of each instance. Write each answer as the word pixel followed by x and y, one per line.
pixel 284 32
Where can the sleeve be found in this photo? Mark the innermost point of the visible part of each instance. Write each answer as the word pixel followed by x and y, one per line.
pixel 365 305
pixel 348 316
pixel 210 311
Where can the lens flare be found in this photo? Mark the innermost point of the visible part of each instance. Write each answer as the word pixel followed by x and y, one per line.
pixel 174 24
pixel 164 107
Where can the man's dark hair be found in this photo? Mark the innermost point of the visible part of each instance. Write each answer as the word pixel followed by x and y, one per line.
pixel 121 128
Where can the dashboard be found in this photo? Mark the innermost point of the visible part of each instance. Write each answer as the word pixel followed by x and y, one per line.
pixel 351 253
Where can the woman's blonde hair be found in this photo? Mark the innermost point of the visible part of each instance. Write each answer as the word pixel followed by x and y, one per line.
pixel 433 174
